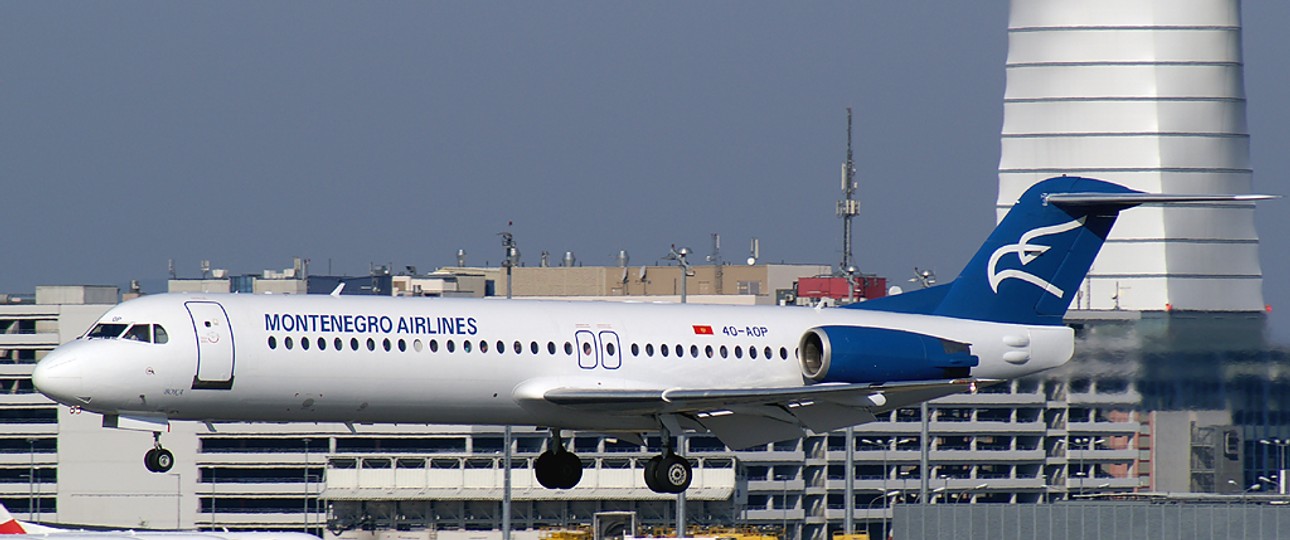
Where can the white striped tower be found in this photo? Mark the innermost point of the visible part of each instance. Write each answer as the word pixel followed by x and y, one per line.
pixel 1149 94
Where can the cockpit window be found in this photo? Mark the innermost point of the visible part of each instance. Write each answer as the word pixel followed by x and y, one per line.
pixel 146 333
pixel 139 332
pixel 106 330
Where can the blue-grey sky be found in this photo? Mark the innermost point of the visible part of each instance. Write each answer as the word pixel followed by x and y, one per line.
pixel 356 133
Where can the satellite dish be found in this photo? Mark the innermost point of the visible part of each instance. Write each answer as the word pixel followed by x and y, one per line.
pixel 642 273
pixel 894 290
pixel 752 261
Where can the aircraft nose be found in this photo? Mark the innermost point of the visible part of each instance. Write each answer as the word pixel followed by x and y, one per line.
pixel 59 379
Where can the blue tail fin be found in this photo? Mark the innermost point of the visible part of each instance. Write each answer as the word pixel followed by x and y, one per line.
pixel 1031 266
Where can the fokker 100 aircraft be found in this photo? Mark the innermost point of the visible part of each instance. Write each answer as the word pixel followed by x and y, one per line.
pixel 749 375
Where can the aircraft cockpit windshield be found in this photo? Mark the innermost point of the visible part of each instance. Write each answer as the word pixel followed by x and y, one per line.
pixel 147 333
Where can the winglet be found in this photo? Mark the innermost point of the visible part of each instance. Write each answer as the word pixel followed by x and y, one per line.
pixel 339 287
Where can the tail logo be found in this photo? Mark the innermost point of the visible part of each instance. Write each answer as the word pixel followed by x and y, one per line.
pixel 1026 253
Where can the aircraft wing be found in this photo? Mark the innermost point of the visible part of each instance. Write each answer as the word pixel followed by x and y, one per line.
pixel 745 417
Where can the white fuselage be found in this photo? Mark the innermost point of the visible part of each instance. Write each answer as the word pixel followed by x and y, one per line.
pixel 455 361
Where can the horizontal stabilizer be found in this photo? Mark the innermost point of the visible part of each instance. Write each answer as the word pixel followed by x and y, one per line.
pixel 1130 199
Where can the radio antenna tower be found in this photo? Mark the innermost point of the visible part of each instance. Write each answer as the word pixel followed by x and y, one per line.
pixel 849 207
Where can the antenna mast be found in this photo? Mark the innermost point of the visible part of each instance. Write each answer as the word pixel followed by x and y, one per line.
pixel 849 207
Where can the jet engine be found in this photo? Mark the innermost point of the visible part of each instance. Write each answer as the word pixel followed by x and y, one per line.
pixel 855 354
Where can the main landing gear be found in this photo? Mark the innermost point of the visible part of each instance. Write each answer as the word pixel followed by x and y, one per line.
pixel 158 459
pixel 669 472
pixel 557 468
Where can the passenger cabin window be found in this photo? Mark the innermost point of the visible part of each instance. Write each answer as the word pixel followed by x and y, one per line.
pixel 107 330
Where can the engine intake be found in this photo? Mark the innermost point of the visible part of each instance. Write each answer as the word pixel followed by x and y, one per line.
pixel 856 354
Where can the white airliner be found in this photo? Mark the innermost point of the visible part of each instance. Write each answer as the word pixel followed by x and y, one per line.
pixel 12 529
pixel 750 375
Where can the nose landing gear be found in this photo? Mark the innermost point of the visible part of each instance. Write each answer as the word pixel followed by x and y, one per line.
pixel 158 459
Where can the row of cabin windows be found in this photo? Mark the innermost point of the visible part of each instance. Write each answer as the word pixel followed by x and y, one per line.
pixel 449 345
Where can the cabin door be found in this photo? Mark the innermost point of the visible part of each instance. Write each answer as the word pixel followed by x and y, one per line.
pixel 214 346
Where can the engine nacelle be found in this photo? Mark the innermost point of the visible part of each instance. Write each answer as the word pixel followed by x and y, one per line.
pixel 854 354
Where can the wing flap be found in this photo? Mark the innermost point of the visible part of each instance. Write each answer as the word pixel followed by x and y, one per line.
pixel 750 428
pixel 743 417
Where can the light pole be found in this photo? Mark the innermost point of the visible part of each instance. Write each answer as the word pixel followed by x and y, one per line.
pixel 679 255
pixel 1280 445
pixel 849 497
pixel 305 511
pixel 512 258
pixel 680 497
pixel 886 445
pixel 883 497
pixel 1087 444
pixel 925 448
pixel 31 479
